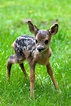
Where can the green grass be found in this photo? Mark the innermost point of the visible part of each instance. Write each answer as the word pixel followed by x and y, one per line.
pixel 42 13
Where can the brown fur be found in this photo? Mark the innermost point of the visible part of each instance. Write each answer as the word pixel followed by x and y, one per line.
pixel 34 50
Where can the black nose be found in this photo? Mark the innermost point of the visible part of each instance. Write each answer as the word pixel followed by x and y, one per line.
pixel 40 49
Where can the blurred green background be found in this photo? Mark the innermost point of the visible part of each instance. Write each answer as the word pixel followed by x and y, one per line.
pixel 13 14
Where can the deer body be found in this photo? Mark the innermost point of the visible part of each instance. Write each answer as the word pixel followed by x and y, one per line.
pixel 34 50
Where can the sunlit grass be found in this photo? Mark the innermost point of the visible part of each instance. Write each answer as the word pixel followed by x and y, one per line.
pixel 42 13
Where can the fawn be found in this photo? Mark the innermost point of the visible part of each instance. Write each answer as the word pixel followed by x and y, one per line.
pixel 34 50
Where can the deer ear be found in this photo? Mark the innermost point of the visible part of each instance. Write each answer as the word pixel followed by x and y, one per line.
pixel 53 29
pixel 33 29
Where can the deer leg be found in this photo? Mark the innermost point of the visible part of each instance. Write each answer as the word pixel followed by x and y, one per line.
pixel 9 65
pixel 32 79
pixel 12 59
pixel 23 69
pixel 49 70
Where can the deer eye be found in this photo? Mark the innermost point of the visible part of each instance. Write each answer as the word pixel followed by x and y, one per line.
pixel 36 41
pixel 46 41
